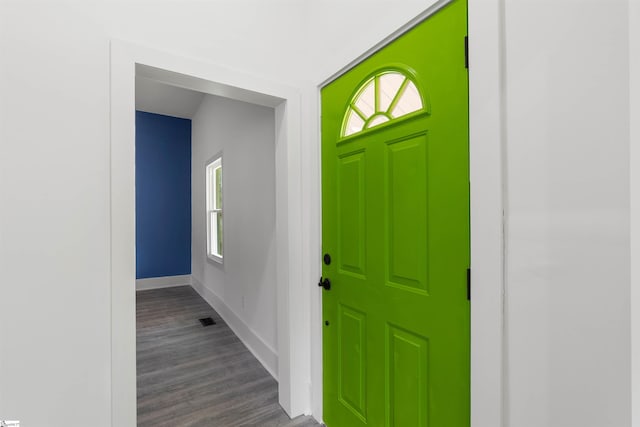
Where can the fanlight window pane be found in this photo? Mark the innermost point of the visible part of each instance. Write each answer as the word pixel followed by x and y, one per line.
pixel 389 87
pixel 386 97
pixel 366 101
pixel 378 120
pixel 409 101
pixel 354 123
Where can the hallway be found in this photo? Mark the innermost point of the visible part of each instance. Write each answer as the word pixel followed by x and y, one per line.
pixel 190 375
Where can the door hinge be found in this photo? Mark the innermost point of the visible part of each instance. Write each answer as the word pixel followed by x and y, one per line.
pixel 469 284
pixel 466 52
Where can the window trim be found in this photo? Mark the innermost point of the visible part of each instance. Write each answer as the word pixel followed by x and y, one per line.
pixel 210 198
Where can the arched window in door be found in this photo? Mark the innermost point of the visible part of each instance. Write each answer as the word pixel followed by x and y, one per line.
pixel 385 97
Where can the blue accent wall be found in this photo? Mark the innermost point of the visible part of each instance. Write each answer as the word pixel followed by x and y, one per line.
pixel 163 195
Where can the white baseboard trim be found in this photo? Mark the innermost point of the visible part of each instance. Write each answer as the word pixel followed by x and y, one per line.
pixel 162 282
pixel 265 354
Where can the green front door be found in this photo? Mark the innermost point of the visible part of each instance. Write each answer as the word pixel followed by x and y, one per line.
pixel 395 196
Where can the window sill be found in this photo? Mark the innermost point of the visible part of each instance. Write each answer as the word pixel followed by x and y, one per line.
pixel 214 259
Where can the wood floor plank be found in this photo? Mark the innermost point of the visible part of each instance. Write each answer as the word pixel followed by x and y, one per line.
pixel 194 376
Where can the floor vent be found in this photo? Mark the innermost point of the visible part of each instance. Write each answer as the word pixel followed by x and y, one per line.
pixel 207 321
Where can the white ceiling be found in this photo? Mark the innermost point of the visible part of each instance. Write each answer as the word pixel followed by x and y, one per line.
pixel 155 97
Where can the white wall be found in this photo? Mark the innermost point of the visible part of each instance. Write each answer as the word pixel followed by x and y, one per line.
pixel 567 175
pixel 55 358
pixel 567 210
pixel 246 281
pixel 54 273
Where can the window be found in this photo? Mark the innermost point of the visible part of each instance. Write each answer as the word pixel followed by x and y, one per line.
pixel 214 209
pixel 383 98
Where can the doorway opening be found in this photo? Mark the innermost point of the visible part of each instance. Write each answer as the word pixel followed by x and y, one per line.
pixel 226 372
pixel 289 364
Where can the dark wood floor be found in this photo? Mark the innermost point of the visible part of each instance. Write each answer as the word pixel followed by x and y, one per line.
pixel 190 375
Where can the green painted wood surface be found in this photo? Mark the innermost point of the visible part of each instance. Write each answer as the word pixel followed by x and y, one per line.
pixel 396 224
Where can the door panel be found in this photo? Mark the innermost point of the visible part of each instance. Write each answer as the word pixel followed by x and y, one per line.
pixel 351 213
pixel 407 382
pixel 396 224
pixel 352 333
pixel 406 220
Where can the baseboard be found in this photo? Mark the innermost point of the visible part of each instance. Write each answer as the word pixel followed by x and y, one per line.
pixel 162 282
pixel 265 354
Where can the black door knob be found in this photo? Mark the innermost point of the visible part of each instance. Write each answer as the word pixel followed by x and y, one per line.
pixel 325 283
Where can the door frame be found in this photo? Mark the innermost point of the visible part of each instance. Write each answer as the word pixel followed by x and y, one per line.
pixel 487 148
pixel 634 215
pixel 128 60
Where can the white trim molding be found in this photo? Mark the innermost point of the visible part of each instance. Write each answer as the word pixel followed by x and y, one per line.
pixel 487 144
pixel 129 60
pixel 262 351
pixel 162 282
pixel 634 169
